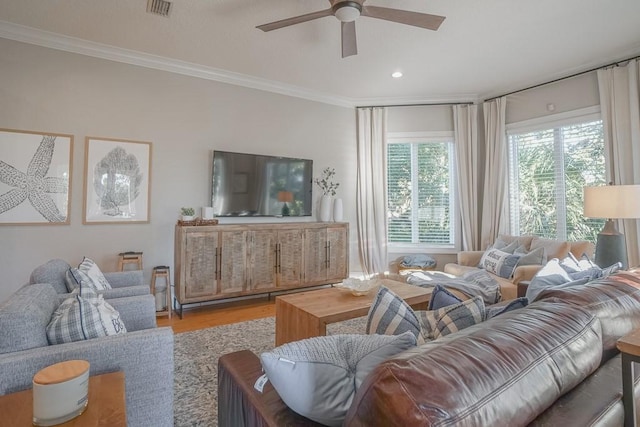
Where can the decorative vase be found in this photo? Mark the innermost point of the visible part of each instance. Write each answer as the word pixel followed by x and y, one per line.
pixel 337 210
pixel 188 217
pixel 325 208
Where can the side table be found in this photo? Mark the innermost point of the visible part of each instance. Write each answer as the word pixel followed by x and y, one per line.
pixel 106 404
pixel 629 346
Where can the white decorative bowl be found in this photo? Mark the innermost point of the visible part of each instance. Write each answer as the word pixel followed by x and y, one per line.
pixel 359 287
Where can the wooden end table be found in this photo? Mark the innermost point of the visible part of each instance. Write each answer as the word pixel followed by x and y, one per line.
pixel 629 346
pixel 106 404
pixel 307 314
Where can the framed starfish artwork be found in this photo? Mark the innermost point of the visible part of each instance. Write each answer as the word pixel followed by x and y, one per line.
pixel 117 181
pixel 35 177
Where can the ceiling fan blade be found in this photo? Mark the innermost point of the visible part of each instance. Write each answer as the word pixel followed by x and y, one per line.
pixel 295 20
pixel 416 19
pixel 349 44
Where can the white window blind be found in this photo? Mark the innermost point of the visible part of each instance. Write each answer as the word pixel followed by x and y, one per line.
pixel 420 199
pixel 548 170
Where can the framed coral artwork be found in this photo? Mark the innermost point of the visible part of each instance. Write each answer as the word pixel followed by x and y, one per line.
pixel 35 177
pixel 117 181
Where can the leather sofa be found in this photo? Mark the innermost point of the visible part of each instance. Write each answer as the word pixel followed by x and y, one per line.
pixel 469 260
pixel 552 363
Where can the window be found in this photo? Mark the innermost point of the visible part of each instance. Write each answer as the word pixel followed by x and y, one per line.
pixel 549 166
pixel 420 191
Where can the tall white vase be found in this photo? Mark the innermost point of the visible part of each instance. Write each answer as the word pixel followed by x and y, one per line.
pixel 325 208
pixel 337 210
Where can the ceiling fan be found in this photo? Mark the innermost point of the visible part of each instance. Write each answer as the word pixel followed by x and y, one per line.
pixel 347 11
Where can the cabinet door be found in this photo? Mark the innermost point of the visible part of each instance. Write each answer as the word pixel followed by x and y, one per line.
pixel 315 255
pixel 289 258
pixel 199 263
pixel 233 262
pixel 337 247
pixel 262 259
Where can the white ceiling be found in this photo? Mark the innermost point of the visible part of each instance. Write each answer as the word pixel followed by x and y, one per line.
pixel 484 48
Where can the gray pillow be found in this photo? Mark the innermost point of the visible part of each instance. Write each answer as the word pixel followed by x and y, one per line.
pixel 391 315
pixel 318 377
pixel 534 257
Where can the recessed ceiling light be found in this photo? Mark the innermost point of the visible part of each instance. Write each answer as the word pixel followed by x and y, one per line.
pixel 396 75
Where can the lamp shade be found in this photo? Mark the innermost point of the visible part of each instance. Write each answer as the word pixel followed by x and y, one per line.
pixel 285 196
pixel 612 201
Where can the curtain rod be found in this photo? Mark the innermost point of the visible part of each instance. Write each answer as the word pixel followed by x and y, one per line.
pixel 435 104
pixel 617 63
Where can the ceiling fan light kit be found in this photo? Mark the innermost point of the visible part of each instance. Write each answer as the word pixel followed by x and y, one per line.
pixel 347 11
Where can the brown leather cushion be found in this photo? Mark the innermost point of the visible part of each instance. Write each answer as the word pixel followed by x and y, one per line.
pixel 511 368
pixel 614 300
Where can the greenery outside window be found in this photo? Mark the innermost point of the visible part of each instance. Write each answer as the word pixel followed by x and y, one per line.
pixel 550 162
pixel 421 202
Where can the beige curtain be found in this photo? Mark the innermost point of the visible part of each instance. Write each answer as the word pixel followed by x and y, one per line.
pixel 468 176
pixel 495 203
pixel 620 109
pixel 371 203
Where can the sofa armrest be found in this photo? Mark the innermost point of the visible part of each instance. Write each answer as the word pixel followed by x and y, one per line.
pixel 145 357
pixel 470 258
pixel 525 273
pixel 119 279
pixel 137 313
pixel 129 291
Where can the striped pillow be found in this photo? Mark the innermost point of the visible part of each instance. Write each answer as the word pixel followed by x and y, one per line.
pixel 450 319
pixel 93 271
pixel 391 315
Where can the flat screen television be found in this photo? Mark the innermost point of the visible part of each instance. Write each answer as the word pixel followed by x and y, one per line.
pixel 257 185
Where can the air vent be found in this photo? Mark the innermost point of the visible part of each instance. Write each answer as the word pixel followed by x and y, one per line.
pixel 159 7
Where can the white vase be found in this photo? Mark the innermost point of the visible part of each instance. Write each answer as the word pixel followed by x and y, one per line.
pixel 337 210
pixel 325 208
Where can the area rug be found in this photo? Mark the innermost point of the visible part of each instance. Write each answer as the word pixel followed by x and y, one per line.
pixel 196 361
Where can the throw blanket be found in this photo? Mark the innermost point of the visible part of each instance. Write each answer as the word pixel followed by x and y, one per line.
pixel 474 283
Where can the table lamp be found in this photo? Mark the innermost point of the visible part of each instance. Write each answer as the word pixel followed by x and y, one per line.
pixel 612 202
pixel 285 197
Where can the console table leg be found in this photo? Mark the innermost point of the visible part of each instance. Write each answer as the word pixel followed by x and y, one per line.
pixel 627 390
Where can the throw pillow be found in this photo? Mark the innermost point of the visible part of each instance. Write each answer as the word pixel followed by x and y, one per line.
pixel 440 297
pixel 84 316
pixel 318 377
pixel 93 271
pixel 499 263
pixel 533 257
pixel 498 309
pixel 506 247
pixel 74 278
pixel 552 274
pixel 391 315
pixel 447 320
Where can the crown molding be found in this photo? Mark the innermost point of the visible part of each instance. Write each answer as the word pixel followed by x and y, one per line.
pixel 21 33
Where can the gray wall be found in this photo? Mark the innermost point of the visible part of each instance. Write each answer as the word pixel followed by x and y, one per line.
pixel 185 118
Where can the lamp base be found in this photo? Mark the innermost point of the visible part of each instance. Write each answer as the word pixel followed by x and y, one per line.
pixel 285 209
pixel 611 247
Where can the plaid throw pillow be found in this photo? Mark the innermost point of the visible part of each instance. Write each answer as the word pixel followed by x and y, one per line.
pixel 83 316
pixel 390 315
pixel 450 319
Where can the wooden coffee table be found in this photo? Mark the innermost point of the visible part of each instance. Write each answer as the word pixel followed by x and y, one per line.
pixel 307 314
pixel 106 404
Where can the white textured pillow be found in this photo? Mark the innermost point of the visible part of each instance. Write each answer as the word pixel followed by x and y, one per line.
pixel 75 278
pixel 84 316
pixel 318 377
pixel 92 270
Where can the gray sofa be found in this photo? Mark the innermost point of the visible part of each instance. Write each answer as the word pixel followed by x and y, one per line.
pixel 123 283
pixel 144 353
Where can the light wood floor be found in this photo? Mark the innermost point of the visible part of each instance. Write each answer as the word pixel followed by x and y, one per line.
pixel 220 314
